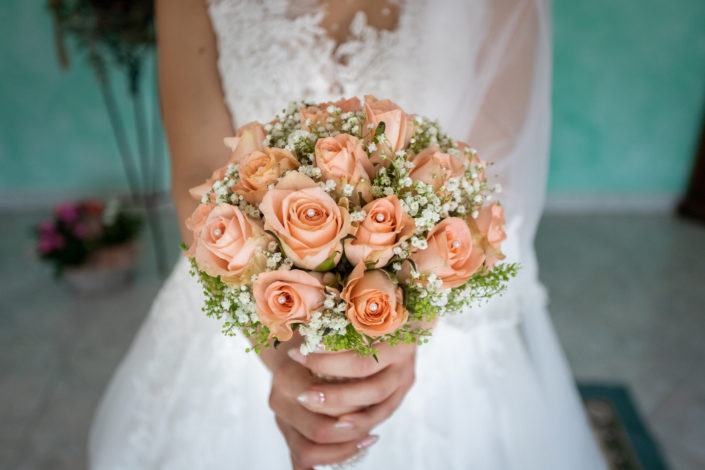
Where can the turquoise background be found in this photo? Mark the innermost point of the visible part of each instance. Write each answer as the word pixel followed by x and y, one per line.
pixel 629 95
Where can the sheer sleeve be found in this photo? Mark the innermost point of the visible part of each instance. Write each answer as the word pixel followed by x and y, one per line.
pixel 512 121
pixel 500 78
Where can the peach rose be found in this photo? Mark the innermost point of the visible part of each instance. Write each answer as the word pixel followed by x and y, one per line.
pixel 247 139
pixel 342 159
pixel 398 126
pixel 197 192
pixel 260 169
pixel 490 225
pixel 286 297
pixel 374 303
pixel 434 167
pixel 470 156
pixel 226 242
pixel 385 226
pixel 313 116
pixel 307 221
pixel 450 254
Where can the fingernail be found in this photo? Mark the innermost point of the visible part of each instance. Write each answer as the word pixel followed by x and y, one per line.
pixel 367 442
pixel 296 355
pixel 312 398
pixel 344 425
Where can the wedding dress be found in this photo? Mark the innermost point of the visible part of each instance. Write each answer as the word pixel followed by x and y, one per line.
pixel 493 389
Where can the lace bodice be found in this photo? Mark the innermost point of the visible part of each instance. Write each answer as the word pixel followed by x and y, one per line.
pixel 277 53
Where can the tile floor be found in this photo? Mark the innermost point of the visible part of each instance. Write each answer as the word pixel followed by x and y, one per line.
pixel 628 301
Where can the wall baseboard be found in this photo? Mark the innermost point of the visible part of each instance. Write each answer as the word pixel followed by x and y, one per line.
pixel 555 203
pixel 610 203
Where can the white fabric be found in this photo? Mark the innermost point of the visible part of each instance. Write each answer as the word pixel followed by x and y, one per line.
pixel 493 389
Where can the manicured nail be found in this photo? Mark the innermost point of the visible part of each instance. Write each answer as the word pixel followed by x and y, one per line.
pixel 367 442
pixel 312 397
pixel 296 355
pixel 344 425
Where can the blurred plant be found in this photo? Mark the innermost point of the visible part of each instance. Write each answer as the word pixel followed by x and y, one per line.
pixel 120 33
pixel 78 230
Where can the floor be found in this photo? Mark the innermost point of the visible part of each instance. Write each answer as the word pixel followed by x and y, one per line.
pixel 627 300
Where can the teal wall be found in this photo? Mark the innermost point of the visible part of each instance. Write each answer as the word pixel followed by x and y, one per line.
pixel 55 136
pixel 629 96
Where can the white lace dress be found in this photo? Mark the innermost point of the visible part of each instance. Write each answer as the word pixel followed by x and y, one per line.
pixel 493 389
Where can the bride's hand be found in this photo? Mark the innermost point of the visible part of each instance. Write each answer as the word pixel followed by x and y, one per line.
pixel 325 423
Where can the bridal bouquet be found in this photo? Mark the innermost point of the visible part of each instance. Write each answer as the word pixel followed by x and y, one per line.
pixel 348 223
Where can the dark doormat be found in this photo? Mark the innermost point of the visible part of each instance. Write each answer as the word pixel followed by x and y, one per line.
pixel 623 436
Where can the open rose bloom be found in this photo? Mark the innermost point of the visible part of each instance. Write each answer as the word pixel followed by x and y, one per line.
pixel 345 224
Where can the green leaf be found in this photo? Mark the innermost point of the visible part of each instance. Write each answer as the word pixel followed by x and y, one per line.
pixel 380 130
pixel 279 242
pixel 328 264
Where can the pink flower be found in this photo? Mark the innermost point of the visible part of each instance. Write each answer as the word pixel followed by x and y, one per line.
pixel 226 243
pixel 450 254
pixel 375 304
pixel 287 297
pixel 308 222
pixel 385 227
pixel 67 213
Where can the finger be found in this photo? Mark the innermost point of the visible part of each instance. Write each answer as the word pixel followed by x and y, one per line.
pixel 377 414
pixel 306 454
pixel 369 391
pixel 350 364
pixel 315 427
pixel 284 429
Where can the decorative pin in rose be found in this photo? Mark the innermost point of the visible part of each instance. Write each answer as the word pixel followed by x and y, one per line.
pixel 385 227
pixel 342 159
pixel 398 126
pixel 307 221
pixel 247 139
pixel 450 254
pixel 490 225
pixel 375 304
pixel 260 169
pixel 286 297
pixel 313 116
pixel 226 243
pixel 434 167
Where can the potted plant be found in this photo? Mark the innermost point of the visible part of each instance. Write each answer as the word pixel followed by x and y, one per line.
pixel 92 245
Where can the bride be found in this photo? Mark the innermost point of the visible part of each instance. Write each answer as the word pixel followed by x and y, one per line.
pixel 491 390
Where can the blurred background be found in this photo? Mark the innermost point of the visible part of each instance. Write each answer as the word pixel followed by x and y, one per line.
pixel 625 272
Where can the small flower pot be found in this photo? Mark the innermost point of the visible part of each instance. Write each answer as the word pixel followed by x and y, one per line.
pixel 107 270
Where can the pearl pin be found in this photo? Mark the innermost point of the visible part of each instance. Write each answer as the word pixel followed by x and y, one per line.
pixel 281 299
pixel 310 212
pixel 456 244
pixel 217 232
pixel 380 217
pixel 444 168
pixel 373 307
